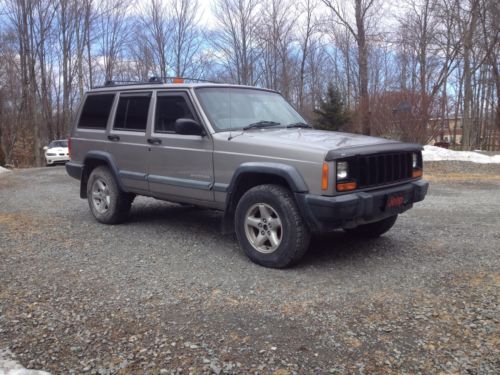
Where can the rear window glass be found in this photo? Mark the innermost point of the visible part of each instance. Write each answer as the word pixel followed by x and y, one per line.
pixel 95 112
pixel 132 113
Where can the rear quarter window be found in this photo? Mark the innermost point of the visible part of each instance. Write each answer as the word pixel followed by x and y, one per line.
pixel 95 111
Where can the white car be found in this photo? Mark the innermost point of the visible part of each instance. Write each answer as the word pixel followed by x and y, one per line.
pixel 57 152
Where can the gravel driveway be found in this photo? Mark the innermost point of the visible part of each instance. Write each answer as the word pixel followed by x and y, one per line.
pixel 166 293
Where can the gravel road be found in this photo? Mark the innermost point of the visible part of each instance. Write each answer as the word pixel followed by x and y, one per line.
pixel 166 293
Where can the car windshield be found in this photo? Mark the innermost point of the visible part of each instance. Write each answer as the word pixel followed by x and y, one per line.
pixel 231 108
pixel 62 143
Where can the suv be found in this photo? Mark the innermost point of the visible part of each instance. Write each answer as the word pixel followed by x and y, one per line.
pixel 244 151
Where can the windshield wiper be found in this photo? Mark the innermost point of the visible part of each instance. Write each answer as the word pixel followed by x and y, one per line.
pixel 299 125
pixel 261 124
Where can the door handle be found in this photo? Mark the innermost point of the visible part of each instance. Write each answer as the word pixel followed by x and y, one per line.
pixel 113 138
pixel 154 141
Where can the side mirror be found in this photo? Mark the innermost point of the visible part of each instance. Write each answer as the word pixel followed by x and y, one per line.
pixel 45 148
pixel 187 126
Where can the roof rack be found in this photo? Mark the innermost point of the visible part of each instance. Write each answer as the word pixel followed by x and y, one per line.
pixel 153 80
pixel 160 79
pixel 116 83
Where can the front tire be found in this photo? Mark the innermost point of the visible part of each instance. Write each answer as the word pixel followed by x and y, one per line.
pixel 108 204
pixel 373 230
pixel 270 228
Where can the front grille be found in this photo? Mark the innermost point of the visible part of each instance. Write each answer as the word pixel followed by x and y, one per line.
pixel 380 169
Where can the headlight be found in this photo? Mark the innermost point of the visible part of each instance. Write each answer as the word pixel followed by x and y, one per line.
pixel 416 165
pixel 342 170
pixel 51 154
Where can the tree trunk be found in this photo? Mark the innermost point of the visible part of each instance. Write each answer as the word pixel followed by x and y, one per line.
pixel 468 138
pixel 364 100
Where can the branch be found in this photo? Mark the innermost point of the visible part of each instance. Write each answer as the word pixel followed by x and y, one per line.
pixel 343 21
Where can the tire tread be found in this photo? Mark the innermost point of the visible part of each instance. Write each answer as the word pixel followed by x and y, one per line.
pixel 302 234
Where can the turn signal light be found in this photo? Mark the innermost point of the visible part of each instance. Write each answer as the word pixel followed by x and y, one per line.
pixel 324 177
pixel 416 173
pixel 178 80
pixel 346 186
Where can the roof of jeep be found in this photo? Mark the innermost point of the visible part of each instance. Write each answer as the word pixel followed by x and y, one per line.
pixel 170 86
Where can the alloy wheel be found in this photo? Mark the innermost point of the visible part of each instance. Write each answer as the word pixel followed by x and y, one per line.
pixel 263 228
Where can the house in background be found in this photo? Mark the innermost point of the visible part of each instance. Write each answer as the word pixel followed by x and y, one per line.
pixel 446 130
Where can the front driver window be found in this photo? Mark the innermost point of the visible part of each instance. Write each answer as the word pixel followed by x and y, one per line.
pixel 169 108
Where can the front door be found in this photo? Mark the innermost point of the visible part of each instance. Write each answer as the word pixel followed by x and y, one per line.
pixel 180 166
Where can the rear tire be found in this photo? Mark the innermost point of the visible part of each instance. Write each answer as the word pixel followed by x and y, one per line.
pixel 270 228
pixel 373 230
pixel 107 202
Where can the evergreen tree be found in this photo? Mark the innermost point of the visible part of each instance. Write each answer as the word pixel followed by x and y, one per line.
pixel 331 114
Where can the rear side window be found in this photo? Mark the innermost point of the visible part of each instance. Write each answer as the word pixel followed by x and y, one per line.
pixel 95 112
pixel 169 108
pixel 132 113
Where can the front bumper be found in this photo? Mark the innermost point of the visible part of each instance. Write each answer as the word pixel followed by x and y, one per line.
pixel 52 159
pixel 325 214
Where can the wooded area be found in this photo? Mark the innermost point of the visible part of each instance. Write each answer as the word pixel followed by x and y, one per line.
pixel 416 70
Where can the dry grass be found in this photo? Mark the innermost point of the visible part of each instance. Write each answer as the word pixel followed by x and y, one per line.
pixel 6 182
pixel 444 177
pixel 16 221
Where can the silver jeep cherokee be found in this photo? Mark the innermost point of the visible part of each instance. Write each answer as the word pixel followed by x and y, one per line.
pixel 244 151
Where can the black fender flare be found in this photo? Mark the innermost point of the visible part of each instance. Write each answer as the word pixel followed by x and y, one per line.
pixel 289 173
pixel 108 160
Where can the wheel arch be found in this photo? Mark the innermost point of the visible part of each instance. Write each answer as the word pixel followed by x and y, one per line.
pixel 92 160
pixel 251 174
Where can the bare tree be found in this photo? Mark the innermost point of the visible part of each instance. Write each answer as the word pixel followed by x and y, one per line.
pixel 363 10
pixel 469 27
pixel 113 33
pixel 305 36
pixel 10 96
pixel 236 38
pixel 490 14
pixel 439 67
pixel 157 27
pixel 186 37
pixel 275 39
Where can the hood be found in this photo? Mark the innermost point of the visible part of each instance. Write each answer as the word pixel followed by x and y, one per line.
pixel 57 149
pixel 307 139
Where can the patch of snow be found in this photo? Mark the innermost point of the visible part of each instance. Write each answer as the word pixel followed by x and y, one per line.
pixel 3 170
pixel 9 366
pixel 433 153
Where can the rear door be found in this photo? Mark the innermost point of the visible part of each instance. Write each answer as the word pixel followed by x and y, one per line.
pixel 180 165
pixel 127 139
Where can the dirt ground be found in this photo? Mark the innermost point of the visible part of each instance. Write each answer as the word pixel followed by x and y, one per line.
pixel 167 293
